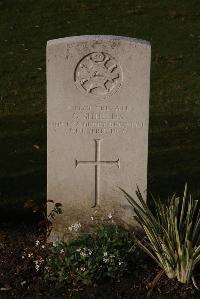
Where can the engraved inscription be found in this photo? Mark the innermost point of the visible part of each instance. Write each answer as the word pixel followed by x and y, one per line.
pixel 97 164
pixel 98 74
pixel 99 119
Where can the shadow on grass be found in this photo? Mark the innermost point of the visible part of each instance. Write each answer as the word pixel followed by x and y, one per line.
pixel 23 167
pixel 174 158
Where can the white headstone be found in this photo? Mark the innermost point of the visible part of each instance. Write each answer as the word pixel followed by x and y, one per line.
pixel 98 111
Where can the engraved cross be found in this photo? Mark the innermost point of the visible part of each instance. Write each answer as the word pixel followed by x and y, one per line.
pixel 97 163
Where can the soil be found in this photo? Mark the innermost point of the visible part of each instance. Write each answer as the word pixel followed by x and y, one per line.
pixel 16 278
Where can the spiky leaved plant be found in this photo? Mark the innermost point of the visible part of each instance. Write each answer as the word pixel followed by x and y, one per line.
pixel 173 234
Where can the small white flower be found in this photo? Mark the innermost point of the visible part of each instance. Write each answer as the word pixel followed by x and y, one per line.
pixel 89 251
pixel 62 251
pixel 37 243
pixel 70 228
pixel 74 227
pixel 43 246
pixel 92 218
pixel 37 267
pixel 23 282
pixel 120 263
pixel 38 264
pixel 105 260
pixel 54 244
pixel 110 216
pixel 77 226
pixel 30 255
pixel 78 249
pixel 105 254
pixel 83 254
pixel 23 256
pixel 82 269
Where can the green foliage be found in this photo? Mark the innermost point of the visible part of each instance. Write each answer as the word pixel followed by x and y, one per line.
pixel 173 234
pixel 108 253
pixel 46 224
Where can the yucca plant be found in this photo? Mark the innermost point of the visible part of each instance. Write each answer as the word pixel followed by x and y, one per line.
pixel 173 233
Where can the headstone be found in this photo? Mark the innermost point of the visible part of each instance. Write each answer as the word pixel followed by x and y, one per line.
pixel 98 111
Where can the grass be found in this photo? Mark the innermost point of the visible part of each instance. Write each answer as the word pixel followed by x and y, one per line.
pixel 174 139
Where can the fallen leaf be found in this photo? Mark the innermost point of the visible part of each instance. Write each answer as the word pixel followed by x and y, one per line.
pixel 36 146
pixel 6 289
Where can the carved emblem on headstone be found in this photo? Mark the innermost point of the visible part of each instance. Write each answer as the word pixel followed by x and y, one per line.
pixel 98 74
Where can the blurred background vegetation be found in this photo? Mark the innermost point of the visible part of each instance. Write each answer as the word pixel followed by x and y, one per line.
pixel 173 29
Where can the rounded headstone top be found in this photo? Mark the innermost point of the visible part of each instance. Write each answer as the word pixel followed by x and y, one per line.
pixel 84 38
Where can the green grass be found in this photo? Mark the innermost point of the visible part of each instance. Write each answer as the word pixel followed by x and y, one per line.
pixel 172 27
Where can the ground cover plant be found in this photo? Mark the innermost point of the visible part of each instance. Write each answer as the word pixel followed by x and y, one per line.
pixel 108 253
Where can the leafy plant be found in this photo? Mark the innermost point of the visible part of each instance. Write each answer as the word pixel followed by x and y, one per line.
pixel 173 234
pixel 46 223
pixel 107 253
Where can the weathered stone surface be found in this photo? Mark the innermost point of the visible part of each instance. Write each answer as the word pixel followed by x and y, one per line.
pixel 98 111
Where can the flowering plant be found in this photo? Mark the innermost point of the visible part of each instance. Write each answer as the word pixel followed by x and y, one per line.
pixel 107 253
pixel 32 260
